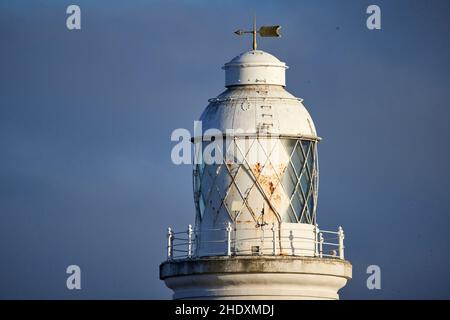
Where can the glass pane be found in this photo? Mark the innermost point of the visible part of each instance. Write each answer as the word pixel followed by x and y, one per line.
pixel 213 181
pixel 297 203
pixel 208 179
pixel 214 201
pixel 305 217
pixel 305 145
pixel 198 156
pixel 223 179
pixel 288 145
pixel 240 151
pixel 201 168
pixel 232 154
pixel 196 178
pixel 289 216
pixel 298 159
pixel 244 180
pixel 305 182
pixel 233 195
pixel 289 180
pixel 310 160
pixel 233 169
pixel 311 201
pixel 255 202
pixel 201 207
pixel 218 190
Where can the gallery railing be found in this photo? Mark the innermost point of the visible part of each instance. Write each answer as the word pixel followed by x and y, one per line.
pixel 184 244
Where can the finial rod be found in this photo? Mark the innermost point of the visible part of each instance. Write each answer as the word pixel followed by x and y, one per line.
pixel 254 33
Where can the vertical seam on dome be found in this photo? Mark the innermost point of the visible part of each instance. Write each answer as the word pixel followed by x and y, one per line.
pixel 234 105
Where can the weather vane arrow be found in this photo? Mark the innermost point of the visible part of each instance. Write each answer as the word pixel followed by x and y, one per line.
pixel 263 31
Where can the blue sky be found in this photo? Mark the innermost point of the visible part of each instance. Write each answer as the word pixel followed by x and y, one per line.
pixel 86 116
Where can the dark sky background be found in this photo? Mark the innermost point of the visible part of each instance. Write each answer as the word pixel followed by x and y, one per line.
pixel 86 117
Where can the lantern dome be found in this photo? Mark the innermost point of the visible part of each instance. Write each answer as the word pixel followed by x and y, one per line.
pixel 255 67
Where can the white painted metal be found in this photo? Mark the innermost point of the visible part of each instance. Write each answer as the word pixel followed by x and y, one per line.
pixel 242 108
pixel 169 244
pixel 289 259
pixel 341 242
pixel 274 239
pixel 270 278
pixel 253 106
pixel 189 232
pixel 255 67
pixel 291 239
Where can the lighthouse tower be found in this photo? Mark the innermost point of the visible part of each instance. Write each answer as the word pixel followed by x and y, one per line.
pixel 255 181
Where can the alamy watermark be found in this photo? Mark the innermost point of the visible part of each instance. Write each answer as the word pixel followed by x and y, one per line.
pixel 374 280
pixel 234 146
pixel 73 282
pixel 374 20
pixel 73 22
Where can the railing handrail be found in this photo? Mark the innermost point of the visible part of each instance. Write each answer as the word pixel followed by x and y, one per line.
pixel 272 237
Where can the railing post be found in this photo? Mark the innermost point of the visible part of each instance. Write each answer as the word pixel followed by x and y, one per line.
pixel 341 243
pixel 320 245
pixel 189 232
pixel 316 240
pixel 274 239
pixel 229 229
pixel 169 244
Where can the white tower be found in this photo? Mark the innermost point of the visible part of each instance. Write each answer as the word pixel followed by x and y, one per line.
pixel 255 192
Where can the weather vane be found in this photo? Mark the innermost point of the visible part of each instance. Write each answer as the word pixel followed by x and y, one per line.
pixel 264 31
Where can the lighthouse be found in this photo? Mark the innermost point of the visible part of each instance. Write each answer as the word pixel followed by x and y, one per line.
pixel 255 186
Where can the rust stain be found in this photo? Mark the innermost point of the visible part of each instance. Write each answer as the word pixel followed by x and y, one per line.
pixel 268 178
pixel 271 188
pixel 257 168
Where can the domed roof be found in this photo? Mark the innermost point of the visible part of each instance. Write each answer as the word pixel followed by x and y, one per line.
pixel 261 108
pixel 256 100
pixel 255 57
pixel 255 67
